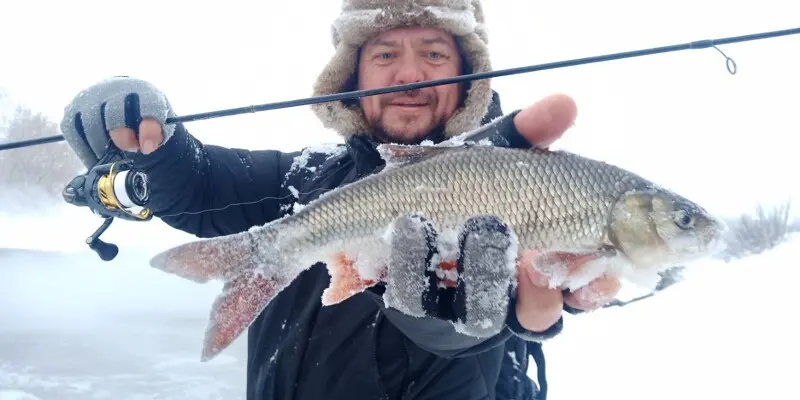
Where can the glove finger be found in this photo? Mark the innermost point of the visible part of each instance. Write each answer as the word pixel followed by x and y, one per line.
pixel 72 129
pixel 121 112
pixel 408 276
pixel 486 274
pixel 94 128
pixel 154 105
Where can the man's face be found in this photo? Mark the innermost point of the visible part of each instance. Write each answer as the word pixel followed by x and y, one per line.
pixel 407 55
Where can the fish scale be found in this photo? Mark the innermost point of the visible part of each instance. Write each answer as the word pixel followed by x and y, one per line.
pixel 550 199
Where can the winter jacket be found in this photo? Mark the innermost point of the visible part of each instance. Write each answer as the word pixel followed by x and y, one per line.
pixel 357 349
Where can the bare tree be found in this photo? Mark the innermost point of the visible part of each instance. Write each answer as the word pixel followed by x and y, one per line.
pixel 35 170
pixel 4 98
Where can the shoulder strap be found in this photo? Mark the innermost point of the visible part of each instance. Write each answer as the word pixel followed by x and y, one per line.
pixel 535 350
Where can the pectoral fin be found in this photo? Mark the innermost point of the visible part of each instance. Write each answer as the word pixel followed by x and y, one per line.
pixel 345 280
pixel 567 270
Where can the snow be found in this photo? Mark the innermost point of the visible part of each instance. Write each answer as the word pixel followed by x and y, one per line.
pixel 16 395
pixel 75 327
pixel 726 331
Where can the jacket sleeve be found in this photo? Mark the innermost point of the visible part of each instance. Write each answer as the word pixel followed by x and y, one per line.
pixel 209 190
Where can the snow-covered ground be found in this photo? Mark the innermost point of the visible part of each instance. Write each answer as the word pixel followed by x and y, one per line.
pixel 75 327
pixel 728 331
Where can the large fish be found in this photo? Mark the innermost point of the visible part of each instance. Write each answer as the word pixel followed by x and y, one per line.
pixel 562 207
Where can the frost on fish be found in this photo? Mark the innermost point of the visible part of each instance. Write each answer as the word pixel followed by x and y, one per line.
pixel 571 270
pixel 353 270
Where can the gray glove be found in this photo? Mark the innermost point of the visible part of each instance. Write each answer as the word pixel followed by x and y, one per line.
pixel 478 306
pixel 118 102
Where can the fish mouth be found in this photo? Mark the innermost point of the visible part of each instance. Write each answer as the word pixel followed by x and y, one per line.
pixel 718 243
pixel 714 235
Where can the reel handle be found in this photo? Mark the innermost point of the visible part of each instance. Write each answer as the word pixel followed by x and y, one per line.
pixel 106 251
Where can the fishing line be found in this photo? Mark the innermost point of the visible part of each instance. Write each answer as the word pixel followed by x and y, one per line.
pixel 246 203
pixel 698 44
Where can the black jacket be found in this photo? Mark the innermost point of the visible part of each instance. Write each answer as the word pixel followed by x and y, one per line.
pixel 354 350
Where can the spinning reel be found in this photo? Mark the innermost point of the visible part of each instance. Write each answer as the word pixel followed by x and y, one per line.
pixel 111 190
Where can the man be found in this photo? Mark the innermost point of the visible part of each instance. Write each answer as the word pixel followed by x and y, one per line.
pixel 358 349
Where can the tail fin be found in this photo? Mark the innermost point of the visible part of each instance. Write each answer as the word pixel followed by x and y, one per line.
pixel 240 302
pixel 211 259
pixel 254 271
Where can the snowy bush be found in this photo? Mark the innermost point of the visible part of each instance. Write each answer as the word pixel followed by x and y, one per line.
pixel 762 230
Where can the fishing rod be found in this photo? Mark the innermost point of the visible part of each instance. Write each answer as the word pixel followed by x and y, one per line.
pixel 698 44
pixel 115 189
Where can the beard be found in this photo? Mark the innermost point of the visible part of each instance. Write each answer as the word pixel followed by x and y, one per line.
pixel 407 129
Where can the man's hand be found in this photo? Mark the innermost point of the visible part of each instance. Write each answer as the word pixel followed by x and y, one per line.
pixel 106 111
pixel 539 307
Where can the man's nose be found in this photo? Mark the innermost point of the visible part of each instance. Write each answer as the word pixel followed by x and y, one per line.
pixel 409 70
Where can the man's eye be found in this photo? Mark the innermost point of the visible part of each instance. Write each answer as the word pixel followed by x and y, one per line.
pixel 385 56
pixel 435 55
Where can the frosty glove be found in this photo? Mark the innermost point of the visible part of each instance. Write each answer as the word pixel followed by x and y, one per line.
pixel 119 102
pixel 410 281
pixel 474 295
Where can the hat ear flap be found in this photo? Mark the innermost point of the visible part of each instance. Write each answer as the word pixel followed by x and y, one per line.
pixel 479 93
pixel 347 119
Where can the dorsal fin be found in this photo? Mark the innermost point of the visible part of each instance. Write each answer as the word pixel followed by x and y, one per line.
pixel 396 155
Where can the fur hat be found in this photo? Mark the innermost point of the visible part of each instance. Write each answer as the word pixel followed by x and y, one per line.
pixel 361 20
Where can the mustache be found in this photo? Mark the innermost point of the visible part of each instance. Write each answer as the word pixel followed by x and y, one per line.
pixel 410 96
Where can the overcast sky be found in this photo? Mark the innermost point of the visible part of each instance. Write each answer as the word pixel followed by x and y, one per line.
pixel 678 118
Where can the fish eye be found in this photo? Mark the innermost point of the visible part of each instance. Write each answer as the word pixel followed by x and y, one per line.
pixel 684 220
